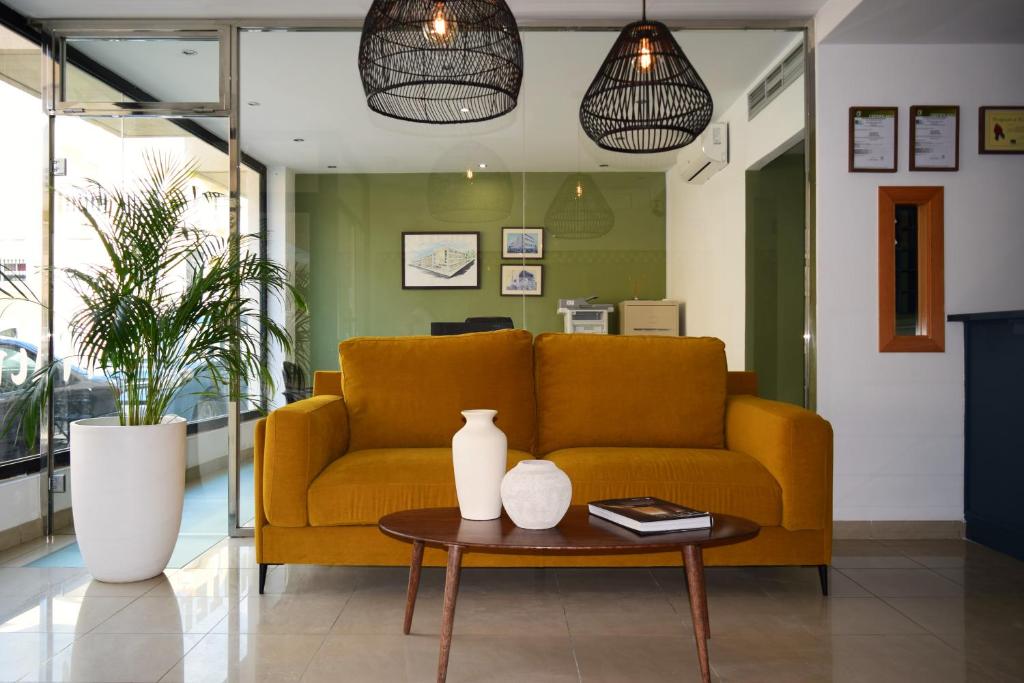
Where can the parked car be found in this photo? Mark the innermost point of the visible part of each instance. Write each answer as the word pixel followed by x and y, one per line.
pixel 82 395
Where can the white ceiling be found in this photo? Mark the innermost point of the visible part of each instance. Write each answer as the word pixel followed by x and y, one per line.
pixel 937 22
pixel 526 11
pixel 307 86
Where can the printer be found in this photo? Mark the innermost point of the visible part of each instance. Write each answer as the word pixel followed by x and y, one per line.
pixel 582 316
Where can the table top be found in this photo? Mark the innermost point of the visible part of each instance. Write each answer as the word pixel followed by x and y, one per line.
pixel 578 531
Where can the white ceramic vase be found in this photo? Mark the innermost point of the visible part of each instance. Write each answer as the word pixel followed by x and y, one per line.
pixel 127 489
pixel 480 455
pixel 536 494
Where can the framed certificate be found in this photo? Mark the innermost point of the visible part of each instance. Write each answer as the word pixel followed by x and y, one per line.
pixel 934 138
pixel 874 133
pixel 1001 130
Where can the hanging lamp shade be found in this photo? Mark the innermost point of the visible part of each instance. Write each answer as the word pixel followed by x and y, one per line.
pixel 579 210
pixel 646 97
pixel 441 61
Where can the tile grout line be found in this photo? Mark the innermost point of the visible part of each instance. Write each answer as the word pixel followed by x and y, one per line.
pixel 568 629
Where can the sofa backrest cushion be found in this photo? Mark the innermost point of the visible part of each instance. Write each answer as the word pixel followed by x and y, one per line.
pixel 409 392
pixel 599 390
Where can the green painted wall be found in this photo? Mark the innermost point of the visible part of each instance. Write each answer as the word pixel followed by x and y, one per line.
pixel 775 277
pixel 355 223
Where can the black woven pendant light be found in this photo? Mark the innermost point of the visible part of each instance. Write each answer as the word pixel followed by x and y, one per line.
pixel 579 211
pixel 646 97
pixel 441 61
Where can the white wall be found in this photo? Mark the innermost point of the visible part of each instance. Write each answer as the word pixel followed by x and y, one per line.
pixel 706 224
pixel 898 417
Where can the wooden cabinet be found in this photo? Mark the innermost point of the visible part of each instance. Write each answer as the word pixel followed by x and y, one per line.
pixel 659 318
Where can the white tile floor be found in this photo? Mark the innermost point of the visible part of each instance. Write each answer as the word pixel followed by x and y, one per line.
pixel 927 611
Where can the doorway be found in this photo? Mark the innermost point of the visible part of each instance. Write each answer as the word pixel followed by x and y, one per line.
pixel 775 276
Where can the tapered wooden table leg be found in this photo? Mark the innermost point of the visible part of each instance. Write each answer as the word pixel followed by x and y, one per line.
pixel 451 592
pixel 414 584
pixel 693 557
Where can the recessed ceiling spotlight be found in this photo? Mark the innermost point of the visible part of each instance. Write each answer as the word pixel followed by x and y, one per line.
pixel 482 165
pixel 331 166
pixel 603 165
pixel 464 110
pixel 189 52
pixel 298 139
pixel 253 103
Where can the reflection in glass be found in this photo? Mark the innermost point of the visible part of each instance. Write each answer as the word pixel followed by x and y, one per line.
pixel 907 310
pixel 579 210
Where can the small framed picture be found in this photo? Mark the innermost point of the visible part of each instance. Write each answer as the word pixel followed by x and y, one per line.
pixel 522 280
pixel 1001 130
pixel 874 132
pixel 522 243
pixel 440 260
pixel 934 138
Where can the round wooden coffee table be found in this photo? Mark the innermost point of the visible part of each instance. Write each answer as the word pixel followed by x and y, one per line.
pixel 579 532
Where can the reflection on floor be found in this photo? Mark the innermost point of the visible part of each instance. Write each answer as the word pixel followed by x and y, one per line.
pixel 907 611
pixel 204 521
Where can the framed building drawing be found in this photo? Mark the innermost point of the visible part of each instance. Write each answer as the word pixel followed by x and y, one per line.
pixel 440 260
pixel 527 243
pixel 522 280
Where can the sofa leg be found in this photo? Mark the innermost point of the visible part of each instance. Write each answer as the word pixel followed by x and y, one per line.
pixel 263 576
pixel 823 577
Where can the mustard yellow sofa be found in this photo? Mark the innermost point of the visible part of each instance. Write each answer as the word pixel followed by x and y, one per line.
pixel 622 416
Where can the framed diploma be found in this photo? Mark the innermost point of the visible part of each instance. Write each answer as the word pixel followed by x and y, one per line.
pixel 1001 130
pixel 873 139
pixel 934 138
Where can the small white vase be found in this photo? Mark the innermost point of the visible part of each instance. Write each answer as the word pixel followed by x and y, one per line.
pixel 480 456
pixel 127 489
pixel 536 494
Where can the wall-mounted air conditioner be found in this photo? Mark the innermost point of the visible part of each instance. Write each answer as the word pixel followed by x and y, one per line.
pixel 705 156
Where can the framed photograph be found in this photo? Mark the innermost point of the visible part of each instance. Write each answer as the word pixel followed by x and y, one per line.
pixel 874 133
pixel 440 260
pixel 522 280
pixel 934 138
pixel 1001 130
pixel 522 243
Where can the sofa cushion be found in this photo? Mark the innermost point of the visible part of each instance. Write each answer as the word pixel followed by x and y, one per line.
pixel 362 486
pixel 408 392
pixel 599 390
pixel 707 479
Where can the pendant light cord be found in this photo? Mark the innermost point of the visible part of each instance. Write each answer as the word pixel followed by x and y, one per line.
pixel 645 10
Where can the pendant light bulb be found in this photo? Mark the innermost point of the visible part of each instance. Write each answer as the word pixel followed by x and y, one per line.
pixel 440 27
pixel 646 59
pixel 579 189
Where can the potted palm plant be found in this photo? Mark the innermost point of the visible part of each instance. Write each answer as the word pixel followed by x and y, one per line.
pixel 172 301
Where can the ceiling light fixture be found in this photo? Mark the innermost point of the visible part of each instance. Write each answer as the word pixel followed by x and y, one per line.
pixel 646 97
pixel 189 52
pixel 298 139
pixel 482 165
pixel 441 61
pixel 331 166
pixel 253 103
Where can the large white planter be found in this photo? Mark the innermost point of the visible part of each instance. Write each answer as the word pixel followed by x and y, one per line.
pixel 536 494
pixel 479 455
pixel 127 489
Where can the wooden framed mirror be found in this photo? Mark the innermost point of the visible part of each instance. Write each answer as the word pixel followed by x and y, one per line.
pixel 911 305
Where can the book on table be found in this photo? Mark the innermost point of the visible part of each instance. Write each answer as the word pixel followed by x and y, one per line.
pixel 646 515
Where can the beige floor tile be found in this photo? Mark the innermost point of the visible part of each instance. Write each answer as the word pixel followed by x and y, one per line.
pixel 489 614
pixel 737 615
pixel 951 553
pixel 617 614
pixel 992 580
pixel 168 614
pixel 116 658
pixel 56 613
pixel 651 659
pixel 960 617
pixel 736 581
pixel 243 658
pixel 22 653
pixel 374 659
pixel 510 657
pixel 848 616
pixel 865 554
pixel 283 614
pixel 209 583
pixel 84 586
pixel 382 612
pixel 305 579
pixel 898 659
pixel 534 582
pixel 21 555
pixel 804 582
pixel 888 583
pixel 228 554
pixel 626 581
pixel 29 581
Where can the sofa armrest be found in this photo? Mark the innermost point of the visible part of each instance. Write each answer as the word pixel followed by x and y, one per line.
pixel 795 445
pixel 301 439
